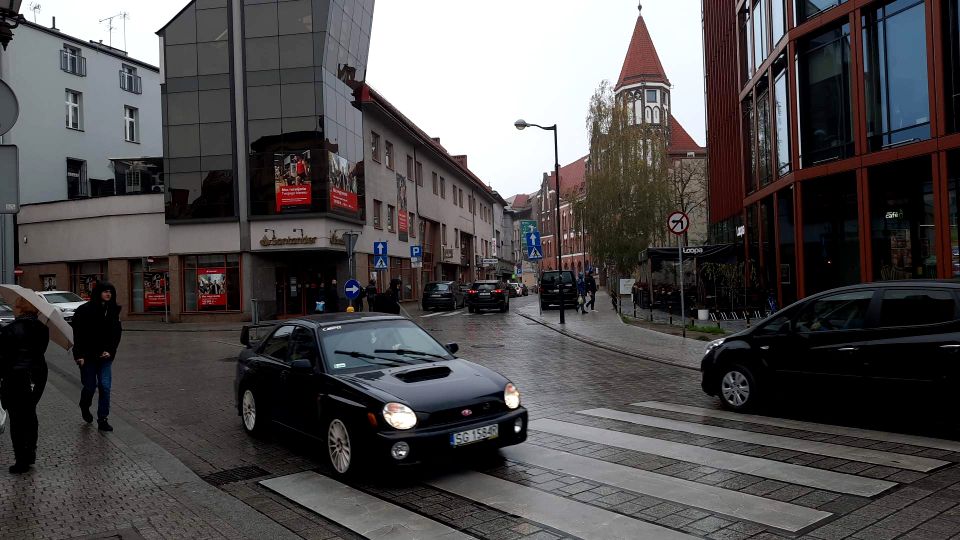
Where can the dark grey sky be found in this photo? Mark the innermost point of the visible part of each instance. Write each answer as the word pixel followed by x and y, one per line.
pixel 465 71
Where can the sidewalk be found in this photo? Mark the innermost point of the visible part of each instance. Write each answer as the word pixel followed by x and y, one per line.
pixel 158 326
pixel 118 485
pixel 605 329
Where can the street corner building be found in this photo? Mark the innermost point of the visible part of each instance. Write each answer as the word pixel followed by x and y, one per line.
pixel 267 151
pixel 834 133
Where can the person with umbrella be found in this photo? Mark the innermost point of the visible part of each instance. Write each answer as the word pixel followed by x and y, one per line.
pixel 23 376
pixel 97 331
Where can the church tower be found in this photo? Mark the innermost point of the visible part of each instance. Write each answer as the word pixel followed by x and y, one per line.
pixel 643 85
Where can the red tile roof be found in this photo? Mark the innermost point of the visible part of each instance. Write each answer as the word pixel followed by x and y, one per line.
pixel 519 201
pixel 572 176
pixel 680 141
pixel 641 63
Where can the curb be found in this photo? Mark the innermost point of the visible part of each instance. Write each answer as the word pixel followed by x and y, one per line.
pixel 606 347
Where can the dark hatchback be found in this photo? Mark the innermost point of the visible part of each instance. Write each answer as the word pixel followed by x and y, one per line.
pixel 553 285
pixel 373 387
pixel 488 295
pixel 442 295
pixel 900 332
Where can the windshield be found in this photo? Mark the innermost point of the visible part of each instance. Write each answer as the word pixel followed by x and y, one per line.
pixel 62 298
pixel 437 287
pixel 5 309
pixel 551 278
pixel 363 346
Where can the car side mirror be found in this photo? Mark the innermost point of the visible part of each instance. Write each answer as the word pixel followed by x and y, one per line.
pixel 301 364
pixel 452 347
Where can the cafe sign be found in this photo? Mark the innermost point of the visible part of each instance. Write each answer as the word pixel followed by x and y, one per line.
pixel 288 241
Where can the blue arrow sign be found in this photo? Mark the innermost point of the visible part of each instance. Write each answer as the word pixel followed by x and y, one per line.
pixel 533 239
pixel 352 289
pixel 534 253
pixel 380 248
pixel 380 262
pixel 416 252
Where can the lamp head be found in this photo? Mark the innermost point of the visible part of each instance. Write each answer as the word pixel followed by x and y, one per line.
pixel 521 124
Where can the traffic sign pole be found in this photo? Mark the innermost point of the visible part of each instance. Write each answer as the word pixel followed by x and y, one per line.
pixel 677 223
pixel 683 312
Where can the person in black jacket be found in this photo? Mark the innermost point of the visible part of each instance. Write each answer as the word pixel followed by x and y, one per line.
pixel 371 294
pixel 96 334
pixel 333 297
pixel 23 376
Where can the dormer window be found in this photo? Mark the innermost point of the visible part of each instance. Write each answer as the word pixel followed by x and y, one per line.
pixel 651 96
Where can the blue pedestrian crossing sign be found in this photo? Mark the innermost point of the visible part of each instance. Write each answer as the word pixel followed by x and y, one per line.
pixel 380 248
pixel 533 238
pixel 534 253
pixel 534 249
pixel 352 289
pixel 380 262
pixel 416 252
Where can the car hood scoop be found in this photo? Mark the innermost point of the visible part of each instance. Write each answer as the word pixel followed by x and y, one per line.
pixel 423 374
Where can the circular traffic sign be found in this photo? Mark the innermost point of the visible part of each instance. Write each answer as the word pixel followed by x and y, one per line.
pixel 352 289
pixel 9 108
pixel 678 222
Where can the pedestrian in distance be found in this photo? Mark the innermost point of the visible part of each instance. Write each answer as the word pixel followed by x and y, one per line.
pixel 581 294
pixel 23 376
pixel 392 298
pixel 333 297
pixel 371 293
pixel 96 333
pixel 592 291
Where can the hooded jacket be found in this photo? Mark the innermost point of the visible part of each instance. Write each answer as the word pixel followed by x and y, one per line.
pixel 96 325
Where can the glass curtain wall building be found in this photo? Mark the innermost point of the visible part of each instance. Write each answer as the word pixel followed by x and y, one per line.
pixel 847 164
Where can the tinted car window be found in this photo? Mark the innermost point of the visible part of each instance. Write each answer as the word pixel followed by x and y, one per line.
pixel 437 287
pixel 914 307
pixel 303 346
pixel 484 286
pixel 549 278
pixel 277 344
pixel 843 311
pixel 777 325
pixel 371 339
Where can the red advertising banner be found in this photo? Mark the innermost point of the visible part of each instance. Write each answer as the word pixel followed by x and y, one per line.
pixel 403 219
pixel 292 180
pixel 211 287
pixel 155 292
pixel 343 184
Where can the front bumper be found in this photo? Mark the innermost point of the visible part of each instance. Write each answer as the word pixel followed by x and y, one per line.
pixel 433 441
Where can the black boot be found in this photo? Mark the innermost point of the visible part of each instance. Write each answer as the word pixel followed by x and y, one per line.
pixel 19 468
pixel 85 412
pixel 103 425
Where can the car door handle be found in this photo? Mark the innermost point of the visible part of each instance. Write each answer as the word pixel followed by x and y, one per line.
pixel 848 349
pixel 950 346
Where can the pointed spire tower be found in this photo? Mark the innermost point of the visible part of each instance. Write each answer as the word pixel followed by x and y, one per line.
pixel 643 84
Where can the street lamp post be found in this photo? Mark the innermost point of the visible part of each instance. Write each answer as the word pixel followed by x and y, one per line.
pixel 10 18
pixel 521 125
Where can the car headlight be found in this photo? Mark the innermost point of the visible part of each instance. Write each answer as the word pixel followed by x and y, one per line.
pixel 511 396
pixel 399 416
pixel 713 345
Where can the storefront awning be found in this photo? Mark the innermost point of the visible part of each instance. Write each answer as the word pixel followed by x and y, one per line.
pixel 712 252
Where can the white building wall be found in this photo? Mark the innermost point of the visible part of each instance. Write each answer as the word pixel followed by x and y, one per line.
pixel 31 66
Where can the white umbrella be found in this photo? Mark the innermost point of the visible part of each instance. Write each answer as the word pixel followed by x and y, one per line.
pixel 61 332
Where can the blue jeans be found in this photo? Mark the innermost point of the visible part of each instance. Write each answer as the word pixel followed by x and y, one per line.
pixel 96 375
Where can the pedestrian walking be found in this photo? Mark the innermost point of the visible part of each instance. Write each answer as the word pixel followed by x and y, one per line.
pixel 591 284
pixel 581 294
pixel 393 297
pixel 23 376
pixel 333 297
pixel 97 332
pixel 371 294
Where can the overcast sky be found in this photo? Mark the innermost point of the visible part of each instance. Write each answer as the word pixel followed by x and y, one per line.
pixel 465 71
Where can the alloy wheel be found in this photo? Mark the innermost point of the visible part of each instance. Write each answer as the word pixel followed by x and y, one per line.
pixel 338 443
pixel 249 410
pixel 735 388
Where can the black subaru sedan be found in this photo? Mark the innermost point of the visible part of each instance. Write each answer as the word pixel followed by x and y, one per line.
pixel 905 332
pixel 486 295
pixel 373 387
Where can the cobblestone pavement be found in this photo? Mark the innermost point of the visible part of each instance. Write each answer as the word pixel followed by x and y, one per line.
pixel 615 451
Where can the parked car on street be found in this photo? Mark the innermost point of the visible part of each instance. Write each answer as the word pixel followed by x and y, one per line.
pixel 555 283
pixel 487 295
pixel 441 295
pixel 514 289
pixel 375 387
pixel 902 331
pixel 524 291
pixel 67 301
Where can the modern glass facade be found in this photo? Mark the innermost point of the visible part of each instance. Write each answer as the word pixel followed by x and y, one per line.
pixel 826 118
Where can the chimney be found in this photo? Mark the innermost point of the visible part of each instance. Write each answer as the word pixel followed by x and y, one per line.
pixel 462 160
pixel 435 139
pixel 53 25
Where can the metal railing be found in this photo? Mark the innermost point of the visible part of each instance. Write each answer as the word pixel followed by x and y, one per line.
pixel 130 82
pixel 73 63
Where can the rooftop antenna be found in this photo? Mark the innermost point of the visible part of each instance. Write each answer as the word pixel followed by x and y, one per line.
pixel 109 20
pixel 35 8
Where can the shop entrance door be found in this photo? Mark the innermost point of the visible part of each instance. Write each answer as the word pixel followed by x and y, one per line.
pixel 290 293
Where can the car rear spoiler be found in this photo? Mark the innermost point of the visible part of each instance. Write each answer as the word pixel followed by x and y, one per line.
pixel 252 334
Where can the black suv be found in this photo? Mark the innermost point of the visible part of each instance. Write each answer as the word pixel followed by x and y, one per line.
pixel 550 289
pixel 442 294
pixel 904 331
pixel 488 295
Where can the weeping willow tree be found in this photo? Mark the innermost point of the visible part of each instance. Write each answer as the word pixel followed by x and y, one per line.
pixel 627 184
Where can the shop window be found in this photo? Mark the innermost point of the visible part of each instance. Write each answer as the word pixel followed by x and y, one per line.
pixel 808 8
pixel 149 285
pixel 788 256
pixel 951 64
pixel 826 120
pixel 48 282
pixel 831 241
pixel 85 276
pixel 781 111
pixel 903 230
pixel 400 268
pixel 895 66
pixel 211 283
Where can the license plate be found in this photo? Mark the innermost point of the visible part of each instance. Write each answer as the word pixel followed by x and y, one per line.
pixel 484 294
pixel 484 433
pixel 436 295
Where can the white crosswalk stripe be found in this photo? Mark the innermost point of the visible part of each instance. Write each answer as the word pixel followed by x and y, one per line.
pixel 434 314
pixel 901 438
pixel 852 453
pixel 453 313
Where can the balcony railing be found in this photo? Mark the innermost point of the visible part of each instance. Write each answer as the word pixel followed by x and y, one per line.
pixel 73 63
pixel 130 82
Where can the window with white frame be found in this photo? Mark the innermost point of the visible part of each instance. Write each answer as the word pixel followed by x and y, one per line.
pixel 129 80
pixel 74 105
pixel 651 96
pixel 131 124
pixel 133 181
pixel 72 61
